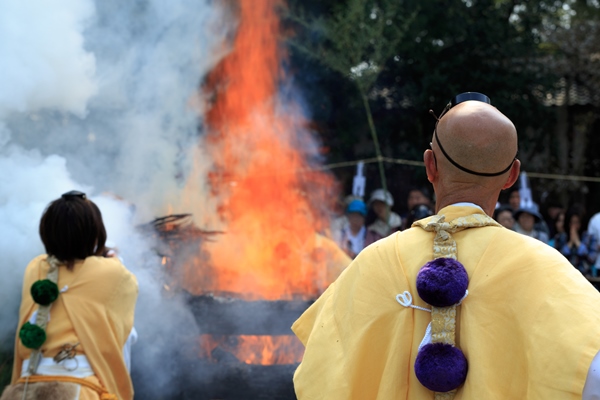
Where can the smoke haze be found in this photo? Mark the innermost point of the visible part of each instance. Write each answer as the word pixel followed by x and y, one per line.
pixel 102 97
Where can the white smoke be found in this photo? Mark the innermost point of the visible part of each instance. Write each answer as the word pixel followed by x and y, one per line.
pixel 44 63
pixel 28 182
pixel 102 97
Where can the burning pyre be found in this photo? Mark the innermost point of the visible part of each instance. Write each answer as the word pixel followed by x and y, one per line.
pixel 268 261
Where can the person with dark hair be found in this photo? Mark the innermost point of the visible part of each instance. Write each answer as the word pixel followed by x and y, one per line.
pixel 417 196
pixel 552 210
pixel 558 225
pixel 76 316
pixel 514 199
pixel 504 216
pixel 527 219
pixel 381 220
pixel 456 307
pixel 579 247
pixel 417 213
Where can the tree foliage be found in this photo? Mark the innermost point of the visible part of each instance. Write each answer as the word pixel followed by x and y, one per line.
pixel 358 38
pixel 509 50
pixel 356 42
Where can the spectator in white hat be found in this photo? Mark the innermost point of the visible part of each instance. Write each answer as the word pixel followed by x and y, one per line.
pixel 386 221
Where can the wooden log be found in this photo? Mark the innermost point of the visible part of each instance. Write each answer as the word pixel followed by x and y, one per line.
pixel 229 316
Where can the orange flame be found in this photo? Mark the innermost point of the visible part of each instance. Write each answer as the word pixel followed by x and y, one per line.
pixel 249 349
pixel 271 202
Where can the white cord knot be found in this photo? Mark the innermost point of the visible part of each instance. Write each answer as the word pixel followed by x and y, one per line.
pixel 405 299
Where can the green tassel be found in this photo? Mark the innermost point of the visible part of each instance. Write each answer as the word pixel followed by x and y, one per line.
pixel 44 292
pixel 32 336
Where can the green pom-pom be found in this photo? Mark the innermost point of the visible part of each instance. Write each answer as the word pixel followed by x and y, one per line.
pixel 44 292
pixel 32 336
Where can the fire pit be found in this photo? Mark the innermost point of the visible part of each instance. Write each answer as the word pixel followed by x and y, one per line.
pixel 245 348
pixel 252 332
pixel 246 285
pixel 245 351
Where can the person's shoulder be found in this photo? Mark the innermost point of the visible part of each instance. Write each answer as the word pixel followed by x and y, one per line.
pixel 106 266
pixel 387 248
pixel 379 249
pixel 36 261
pixel 108 262
pixel 514 236
pixel 595 221
pixel 33 269
pixel 526 247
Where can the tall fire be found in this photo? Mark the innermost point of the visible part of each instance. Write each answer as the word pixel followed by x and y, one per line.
pixel 270 199
pixel 270 258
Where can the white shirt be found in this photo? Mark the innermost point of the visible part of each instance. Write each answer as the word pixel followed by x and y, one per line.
pixel 356 242
pixel 594 229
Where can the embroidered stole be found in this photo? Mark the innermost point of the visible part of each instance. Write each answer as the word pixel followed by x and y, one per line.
pixel 443 319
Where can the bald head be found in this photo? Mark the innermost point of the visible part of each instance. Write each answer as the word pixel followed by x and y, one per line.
pixel 476 136
pixel 482 142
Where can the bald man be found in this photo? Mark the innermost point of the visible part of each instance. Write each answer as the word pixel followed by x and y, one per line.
pixel 456 307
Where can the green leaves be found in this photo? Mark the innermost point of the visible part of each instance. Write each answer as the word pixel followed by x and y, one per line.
pixel 408 56
pixel 357 39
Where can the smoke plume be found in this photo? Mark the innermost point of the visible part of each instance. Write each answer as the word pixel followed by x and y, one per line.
pixel 102 97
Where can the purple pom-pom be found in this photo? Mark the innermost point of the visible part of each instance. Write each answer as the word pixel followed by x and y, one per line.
pixel 442 282
pixel 441 367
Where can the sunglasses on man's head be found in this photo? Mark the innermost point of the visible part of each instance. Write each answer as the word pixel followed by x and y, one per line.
pixel 74 194
pixel 460 98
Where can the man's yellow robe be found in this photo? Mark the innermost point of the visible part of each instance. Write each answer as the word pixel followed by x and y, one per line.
pixel 96 309
pixel 529 327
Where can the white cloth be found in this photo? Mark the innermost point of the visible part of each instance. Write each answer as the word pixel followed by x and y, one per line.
pixel 357 242
pixel 131 340
pixel 467 204
pixel 591 389
pixel 383 229
pixel 78 367
pixel 594 229
pixel 338 226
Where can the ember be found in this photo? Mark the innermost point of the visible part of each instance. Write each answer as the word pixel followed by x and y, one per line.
pixel 260 350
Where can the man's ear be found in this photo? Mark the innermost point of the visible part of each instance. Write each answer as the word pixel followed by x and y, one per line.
pixel 515 170
pixel 430 165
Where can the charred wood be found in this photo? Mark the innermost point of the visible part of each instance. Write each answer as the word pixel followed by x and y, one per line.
pixel 230 316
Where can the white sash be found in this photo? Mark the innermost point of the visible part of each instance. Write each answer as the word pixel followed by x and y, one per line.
pixel 78 367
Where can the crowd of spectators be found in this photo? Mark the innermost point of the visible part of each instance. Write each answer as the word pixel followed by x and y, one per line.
pixel 561 227
pixel 365 223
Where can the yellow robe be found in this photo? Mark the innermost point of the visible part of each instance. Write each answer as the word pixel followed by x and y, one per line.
pixel 96 310
pixel 529 327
